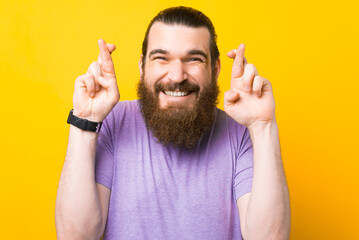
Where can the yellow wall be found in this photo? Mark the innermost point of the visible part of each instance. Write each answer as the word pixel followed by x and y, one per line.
pixel 308 49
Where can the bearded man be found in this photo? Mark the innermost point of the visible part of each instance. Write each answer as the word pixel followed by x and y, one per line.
pixel 171 165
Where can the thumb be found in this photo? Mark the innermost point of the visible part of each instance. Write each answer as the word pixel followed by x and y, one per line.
pixel 230 97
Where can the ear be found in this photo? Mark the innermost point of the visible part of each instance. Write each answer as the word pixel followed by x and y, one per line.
pixel 217 68
pixel 140 65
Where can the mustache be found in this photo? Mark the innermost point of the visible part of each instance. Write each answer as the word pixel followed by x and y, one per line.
pixel 184 86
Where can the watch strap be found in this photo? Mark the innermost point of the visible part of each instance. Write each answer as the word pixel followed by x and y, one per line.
pixel 83 124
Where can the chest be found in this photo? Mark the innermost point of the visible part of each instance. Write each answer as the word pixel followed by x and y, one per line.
pixel 154 178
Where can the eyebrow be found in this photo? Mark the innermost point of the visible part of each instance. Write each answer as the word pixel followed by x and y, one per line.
pixel 198 52
pixel 155 51
pixel 191 52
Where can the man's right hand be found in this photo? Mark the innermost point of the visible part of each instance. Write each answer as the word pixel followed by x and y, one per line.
pixel 96 92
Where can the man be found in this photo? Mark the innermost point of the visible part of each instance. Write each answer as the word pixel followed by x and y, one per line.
pixel 171 165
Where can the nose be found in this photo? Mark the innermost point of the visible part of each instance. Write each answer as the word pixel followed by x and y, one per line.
pixel 176 72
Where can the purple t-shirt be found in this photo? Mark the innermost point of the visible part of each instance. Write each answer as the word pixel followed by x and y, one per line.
pixel 162 192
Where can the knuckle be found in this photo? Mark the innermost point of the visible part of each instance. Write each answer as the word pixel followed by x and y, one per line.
pixel 253 67
pixel 93 68
pixel 259 79
pixel 80 78
pixel 250 66
pixel 266 81
pixel 250 69
pixel 227 93
pixel 92 65
pixel 89 76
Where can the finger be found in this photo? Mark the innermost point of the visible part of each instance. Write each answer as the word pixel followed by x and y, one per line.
pixel 104 82
pixel 267 86
pixel 258 85
pixel 80 83
pixel 111 87
pixel 105 60
pixel 238 63
pixel 230 97
pixel 90 84
pixel 250 72
pixel 232 54
pixel 105 54
pixel 95 70
pixel 111 47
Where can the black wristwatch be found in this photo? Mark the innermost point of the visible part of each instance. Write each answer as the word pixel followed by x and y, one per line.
pixel 83 124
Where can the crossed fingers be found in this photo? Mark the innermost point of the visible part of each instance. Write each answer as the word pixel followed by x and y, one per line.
pixel 105 51
pixel 98 71
pixel 245 76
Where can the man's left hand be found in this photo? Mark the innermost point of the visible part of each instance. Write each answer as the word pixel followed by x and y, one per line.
pixel 250 100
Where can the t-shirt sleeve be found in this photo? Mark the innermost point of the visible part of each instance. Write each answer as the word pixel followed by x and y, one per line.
pixel 104 157
pixel 243 177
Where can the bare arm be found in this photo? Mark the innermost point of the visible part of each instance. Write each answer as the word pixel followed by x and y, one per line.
pixel 81 204
pixel 265 212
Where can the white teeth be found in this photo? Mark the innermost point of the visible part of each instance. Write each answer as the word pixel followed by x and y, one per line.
pixel 176 94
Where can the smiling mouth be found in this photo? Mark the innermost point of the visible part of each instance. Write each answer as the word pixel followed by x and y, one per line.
pixel 176 93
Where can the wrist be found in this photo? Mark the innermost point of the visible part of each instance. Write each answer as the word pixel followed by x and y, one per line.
pixel 262 128
pixel 82 134
pixel 83 123
pixel 265 138
pixel 80 114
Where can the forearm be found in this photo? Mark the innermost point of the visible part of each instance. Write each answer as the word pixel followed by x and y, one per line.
pixel 78 210
pixel 268 212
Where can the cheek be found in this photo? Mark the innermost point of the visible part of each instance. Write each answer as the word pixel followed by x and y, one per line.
pixel 155 72
pixel 201 75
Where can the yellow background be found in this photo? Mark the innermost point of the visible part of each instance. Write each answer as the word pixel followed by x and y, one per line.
pixel 307 49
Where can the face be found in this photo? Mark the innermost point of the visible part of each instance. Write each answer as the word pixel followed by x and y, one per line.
pixel 178 91
pixel 178 64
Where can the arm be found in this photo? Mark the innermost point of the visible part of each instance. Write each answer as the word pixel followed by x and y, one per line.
pixel 81 204
pixel 265 212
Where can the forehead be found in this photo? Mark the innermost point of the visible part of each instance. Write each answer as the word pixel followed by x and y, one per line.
pixel 177 38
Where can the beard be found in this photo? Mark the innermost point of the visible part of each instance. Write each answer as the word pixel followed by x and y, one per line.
pixel 178 125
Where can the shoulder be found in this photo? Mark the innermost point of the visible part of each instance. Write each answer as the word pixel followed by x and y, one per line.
pixel 124 113
pixel 123 110
pixel 124 107
pixel 228 128
pixel 225 122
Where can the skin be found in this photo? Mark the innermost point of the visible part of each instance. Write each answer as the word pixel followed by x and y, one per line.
pixel 82 205
pixel 176 54
pixel 265 212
